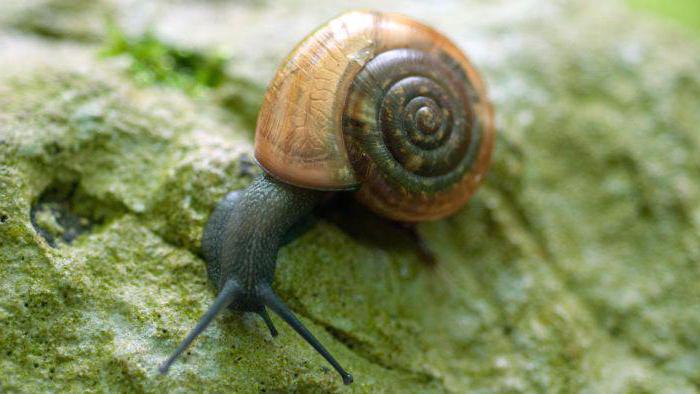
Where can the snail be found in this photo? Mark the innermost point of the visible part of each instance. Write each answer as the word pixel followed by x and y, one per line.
pixel 373 103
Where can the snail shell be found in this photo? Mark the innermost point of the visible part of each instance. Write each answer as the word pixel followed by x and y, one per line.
pixel 383 104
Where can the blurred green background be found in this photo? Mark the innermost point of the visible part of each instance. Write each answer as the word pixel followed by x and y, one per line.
pixel 575 268
pixel 686 12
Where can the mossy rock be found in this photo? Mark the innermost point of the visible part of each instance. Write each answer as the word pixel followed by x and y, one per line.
pixel 574 268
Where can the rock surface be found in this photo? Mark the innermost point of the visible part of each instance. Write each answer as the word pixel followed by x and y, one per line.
pixel 575 268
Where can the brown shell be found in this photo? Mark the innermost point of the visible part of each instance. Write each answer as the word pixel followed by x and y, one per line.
pixel 300 138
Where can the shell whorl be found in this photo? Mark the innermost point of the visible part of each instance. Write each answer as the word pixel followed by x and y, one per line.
pixel 409 121
pixel 381 103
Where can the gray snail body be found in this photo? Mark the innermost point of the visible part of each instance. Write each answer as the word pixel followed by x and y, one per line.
pixel 374 103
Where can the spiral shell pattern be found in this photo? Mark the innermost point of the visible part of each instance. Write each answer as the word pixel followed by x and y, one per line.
pixel 412 133
pixel 386 105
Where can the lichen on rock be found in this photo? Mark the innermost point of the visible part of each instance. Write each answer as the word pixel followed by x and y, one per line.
pixel 574 268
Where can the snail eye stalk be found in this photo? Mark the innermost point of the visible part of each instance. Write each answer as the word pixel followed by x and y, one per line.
pixel 402 119
pixel 225 297
pixel 268 322
pixel 277 305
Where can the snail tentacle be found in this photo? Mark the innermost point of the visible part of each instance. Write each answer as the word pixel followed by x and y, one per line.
pixel 276 304
pixel 223 299
pixel 371 102
pixel 240 244
pixel 268 322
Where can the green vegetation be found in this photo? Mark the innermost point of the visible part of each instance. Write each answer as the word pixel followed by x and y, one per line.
pixel 575 268
pixel 154 62
pixel 687 12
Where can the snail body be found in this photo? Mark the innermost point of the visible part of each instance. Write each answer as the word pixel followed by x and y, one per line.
pixel 373 103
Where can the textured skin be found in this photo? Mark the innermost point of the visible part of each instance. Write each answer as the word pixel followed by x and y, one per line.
pixel 240 243
pixel 419 128
pixel 245 232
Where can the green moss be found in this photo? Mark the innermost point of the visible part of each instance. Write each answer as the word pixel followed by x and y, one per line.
pixel 87 303
pixel 242 98
pixel 574 268
pixel 154 62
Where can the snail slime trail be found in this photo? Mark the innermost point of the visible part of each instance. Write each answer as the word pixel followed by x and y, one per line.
pixel 409 130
